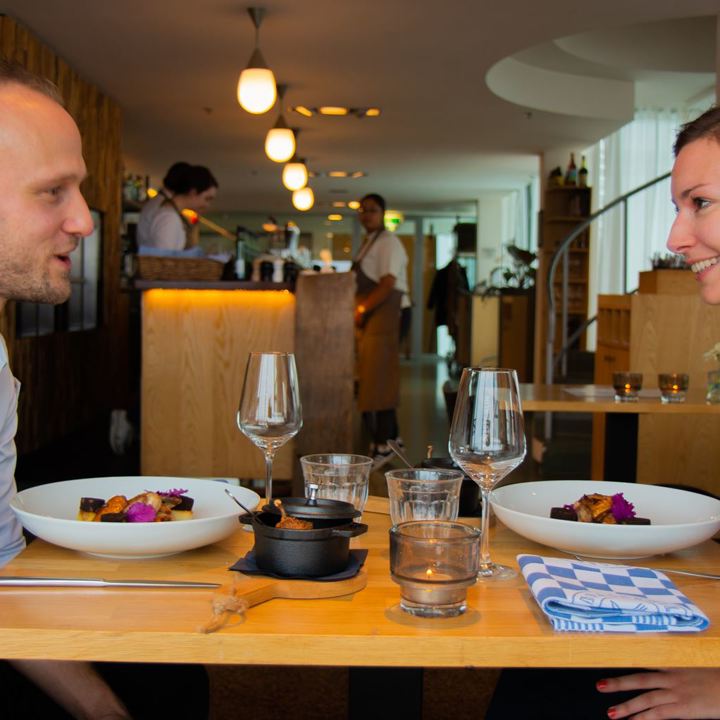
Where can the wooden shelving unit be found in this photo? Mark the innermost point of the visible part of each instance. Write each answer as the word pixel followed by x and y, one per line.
pixel 564 208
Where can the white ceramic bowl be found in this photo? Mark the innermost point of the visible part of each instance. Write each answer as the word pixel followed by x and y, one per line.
pixel 49 511
pixel 679 518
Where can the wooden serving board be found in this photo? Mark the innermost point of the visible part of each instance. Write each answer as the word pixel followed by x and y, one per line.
pixel 259 590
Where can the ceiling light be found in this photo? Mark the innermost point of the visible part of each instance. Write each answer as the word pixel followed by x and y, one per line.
pixel 354 204
pixel 256 90
pixel 335 217
pixel 339 204
pixel 333 110
pixel 303 199
pixel 295 174
pixel 302 110
pixel 358 174
pixel 337 173
pixel 280 140
pixel 372 112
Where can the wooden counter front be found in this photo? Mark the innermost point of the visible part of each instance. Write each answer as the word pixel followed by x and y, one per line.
pixel 195 345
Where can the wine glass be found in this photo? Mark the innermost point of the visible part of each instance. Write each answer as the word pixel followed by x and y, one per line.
pixel 487 440
pixel 270 412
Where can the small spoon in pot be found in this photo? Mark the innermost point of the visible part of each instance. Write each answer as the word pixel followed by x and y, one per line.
pixel 251 513
pixel 396 449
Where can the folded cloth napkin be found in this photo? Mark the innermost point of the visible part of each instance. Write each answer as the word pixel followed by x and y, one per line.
pixel 248 566
pixel 599 597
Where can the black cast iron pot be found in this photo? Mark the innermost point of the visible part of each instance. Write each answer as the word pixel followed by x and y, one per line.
pixel 324 550
pixel 312 553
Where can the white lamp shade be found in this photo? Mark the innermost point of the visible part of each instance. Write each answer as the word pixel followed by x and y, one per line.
pixel 303 199
pixel 295 175
pixel 280 144
pixel 256 90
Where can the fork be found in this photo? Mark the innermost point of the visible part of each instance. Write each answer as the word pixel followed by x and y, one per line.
pixel 691 573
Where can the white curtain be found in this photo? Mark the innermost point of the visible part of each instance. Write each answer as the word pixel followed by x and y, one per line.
pixel 637 153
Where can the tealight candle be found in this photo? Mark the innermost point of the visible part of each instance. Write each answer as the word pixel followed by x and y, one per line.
pixel 434 562
pixel 627 385
pixel 673 387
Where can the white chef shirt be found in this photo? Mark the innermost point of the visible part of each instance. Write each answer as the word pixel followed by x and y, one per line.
pixel 11 537
pixel 386 256
pixel 160 225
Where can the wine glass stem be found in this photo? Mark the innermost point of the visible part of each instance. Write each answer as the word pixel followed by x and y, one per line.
pixel 269 455
pixel 485 561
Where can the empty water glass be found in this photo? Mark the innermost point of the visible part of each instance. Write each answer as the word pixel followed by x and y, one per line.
pixel 423 494
pixel 338 476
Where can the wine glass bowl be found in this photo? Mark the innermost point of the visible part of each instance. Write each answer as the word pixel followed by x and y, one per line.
pixel 487 440
pixel 270 412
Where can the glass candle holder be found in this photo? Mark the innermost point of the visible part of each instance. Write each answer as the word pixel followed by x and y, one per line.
pixel 434 562
pixel 423 494
pixel 339 476
pixel 673 387
pixel 627 386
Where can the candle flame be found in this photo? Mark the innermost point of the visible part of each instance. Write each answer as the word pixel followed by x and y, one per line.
pixel 429 573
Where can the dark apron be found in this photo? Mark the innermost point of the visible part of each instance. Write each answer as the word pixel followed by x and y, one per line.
pixel 378 347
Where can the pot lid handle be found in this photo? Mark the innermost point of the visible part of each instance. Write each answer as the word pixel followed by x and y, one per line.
pixel 312 489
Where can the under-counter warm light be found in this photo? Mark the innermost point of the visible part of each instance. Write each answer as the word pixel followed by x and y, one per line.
pixel 256 90
pixel 303 199
pixel 335 217
pixel 295 175
pixel 333 110
pixel 354 204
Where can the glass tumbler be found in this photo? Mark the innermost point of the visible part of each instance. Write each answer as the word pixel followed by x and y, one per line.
pixel 339 476
pixel 423 494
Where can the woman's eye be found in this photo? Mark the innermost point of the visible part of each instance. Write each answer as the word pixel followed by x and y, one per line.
pixel 700 203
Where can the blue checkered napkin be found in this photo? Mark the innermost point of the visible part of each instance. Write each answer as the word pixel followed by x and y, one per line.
pixel 597 597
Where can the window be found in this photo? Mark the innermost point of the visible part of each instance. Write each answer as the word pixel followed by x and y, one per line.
pixel 82 310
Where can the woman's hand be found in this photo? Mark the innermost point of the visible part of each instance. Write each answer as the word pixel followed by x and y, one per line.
pixel 689 694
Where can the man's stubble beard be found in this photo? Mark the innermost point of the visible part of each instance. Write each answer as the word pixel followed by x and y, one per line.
pixel 18 282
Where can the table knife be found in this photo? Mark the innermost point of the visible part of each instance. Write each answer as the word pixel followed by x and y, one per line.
pixel 12 580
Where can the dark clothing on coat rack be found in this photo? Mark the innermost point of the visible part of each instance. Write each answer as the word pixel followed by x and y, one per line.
pixel 447 285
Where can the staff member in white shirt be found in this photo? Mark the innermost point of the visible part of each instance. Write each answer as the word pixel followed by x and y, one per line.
pixel 185 187
pixel 381 272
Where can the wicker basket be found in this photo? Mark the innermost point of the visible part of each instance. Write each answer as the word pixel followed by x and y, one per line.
pixel 152 267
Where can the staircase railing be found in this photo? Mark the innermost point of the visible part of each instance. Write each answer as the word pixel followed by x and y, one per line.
pixel 561 254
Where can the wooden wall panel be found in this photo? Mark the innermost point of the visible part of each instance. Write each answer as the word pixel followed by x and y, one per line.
pixel 325 356
pixel 70 379
pixel 670 333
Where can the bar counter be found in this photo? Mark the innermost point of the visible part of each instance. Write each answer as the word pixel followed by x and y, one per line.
pixel 196 337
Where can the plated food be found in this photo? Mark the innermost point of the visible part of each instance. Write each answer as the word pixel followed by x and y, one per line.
pixel 51 513
pixel 599 508
pixel 680 518
pixel 158 506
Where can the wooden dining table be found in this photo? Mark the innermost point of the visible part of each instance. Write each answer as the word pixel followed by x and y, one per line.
pixel 503 626
pixel 615 424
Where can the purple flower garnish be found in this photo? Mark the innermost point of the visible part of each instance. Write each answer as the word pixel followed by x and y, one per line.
pixel 621 509
pixel 571 506
pixel 140 512
pixel 175 492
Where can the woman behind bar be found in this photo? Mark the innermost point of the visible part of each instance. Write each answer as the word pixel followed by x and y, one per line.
pixel 381 271
pixel 684 694
pixel 162 224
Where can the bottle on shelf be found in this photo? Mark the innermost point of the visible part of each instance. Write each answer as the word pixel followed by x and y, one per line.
pixel 239 254
pixel 571 174
pixel 582 173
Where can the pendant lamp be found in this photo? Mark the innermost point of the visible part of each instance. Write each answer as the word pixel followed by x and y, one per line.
pixel 280 140
pixel 295 174
pixel 256 90
pixel 303 199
